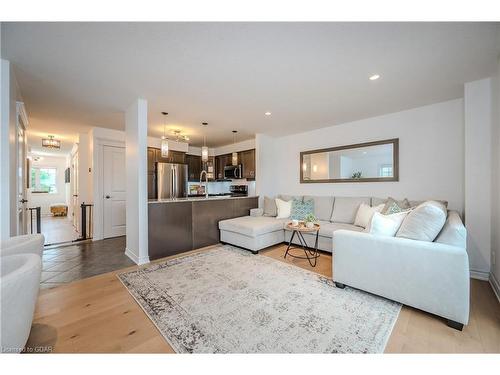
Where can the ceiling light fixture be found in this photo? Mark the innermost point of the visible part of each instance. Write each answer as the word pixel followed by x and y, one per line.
pixel 374 77
pixel 164 139
pixel 204 149
pixel 268 113
pixel 51 142
pixel 234 156
pixel 180 137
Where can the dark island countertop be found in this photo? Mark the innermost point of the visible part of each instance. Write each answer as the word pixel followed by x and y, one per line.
pixel 183 224
pixel 198 199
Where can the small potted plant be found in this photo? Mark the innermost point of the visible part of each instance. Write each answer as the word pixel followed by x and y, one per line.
pixel 309 220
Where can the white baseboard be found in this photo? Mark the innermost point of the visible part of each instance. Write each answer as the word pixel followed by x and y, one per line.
pixel 495 285
pixel 479 275
pixel 135 259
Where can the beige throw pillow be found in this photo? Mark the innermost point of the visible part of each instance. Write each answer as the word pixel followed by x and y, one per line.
pixel 365 213
pixel 270 208
pixel 424 222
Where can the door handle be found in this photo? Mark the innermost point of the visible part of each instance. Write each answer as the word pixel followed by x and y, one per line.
pixel 107 197
pixel 23 200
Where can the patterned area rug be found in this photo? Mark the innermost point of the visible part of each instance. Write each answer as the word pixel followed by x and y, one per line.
pixel 227 300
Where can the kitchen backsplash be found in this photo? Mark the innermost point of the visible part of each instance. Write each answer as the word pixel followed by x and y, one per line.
pixel 220 187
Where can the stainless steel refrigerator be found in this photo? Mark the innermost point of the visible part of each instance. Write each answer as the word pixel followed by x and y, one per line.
pixel 172 180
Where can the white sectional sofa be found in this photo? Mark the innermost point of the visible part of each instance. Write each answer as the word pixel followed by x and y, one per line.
pixel 20 273
pixel 431 276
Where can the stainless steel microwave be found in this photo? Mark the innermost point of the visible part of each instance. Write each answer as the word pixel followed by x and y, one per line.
pixel 233 172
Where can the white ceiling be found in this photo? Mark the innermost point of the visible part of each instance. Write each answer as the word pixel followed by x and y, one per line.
pixel 309 75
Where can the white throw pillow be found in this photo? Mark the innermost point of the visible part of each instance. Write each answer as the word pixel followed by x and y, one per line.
pixel 365 214
pixel 386 225
pixel 424 222
pixel 284 209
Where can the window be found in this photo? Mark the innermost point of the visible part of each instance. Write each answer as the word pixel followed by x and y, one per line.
pixel 385 170
pixel 43 180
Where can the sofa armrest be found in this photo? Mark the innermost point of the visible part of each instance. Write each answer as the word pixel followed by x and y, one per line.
pixel 256 212
pixel 427 275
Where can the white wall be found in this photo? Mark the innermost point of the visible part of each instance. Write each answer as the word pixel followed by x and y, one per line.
pixel 431 155
pixel 495 185
pixel 266 166
pixel 235 147
pixel 44 200
pixel 478 125
pixel 10 94
pixel 4 149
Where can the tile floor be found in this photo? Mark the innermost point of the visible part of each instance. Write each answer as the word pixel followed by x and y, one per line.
pixel 66 264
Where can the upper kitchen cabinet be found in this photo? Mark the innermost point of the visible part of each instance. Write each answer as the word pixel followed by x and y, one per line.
pixel 194 167
pixel 220 162
pixel 173 157
pixel 151 160
pixel 247 160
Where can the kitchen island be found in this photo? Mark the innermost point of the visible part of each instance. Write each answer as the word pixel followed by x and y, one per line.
pixel 182 224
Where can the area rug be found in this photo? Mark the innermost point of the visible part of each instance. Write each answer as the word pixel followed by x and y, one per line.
pixel 227 300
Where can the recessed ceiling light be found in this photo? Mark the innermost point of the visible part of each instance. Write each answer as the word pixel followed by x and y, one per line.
pixel 374 77
pixel 268 113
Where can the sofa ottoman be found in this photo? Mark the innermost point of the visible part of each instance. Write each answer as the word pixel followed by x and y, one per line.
pixel 252 232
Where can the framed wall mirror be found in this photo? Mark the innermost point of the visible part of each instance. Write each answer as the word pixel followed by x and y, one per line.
pixel 363 162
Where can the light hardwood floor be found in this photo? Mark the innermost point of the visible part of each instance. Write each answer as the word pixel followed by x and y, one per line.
pixel 58 229
pixel 98 315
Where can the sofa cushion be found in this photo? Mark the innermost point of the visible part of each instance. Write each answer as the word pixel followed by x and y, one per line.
pixel 323 207
pixel 453 232
pixel 327 228
pixel 252 226
pixel 424 222
pixel 270 208
pixel 378 201
pixel 365 213
pixel 345 208
pixel 301 208
pixel 288 198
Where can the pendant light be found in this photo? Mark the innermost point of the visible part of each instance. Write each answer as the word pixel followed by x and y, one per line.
pixel 164 140
pixel 234 157
pixel 204 149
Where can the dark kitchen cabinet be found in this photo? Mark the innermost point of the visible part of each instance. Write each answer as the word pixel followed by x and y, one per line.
pixel 194 167
pixel 247 160
pixel 221 161
pixel 151 173
pixel 173 157
pixel 154 156
pixel 151 160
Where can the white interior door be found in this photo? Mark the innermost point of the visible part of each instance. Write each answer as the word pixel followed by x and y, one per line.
pixel 114 191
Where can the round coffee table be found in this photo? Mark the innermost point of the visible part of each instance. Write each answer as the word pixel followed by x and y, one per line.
pixel 311 254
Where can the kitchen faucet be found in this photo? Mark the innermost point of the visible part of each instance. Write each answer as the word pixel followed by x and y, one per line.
pixel 206 182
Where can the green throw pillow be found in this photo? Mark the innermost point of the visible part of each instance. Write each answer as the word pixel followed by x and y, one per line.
pixel 300 209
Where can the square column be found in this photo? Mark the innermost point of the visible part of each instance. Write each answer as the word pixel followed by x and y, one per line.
pixel 136 137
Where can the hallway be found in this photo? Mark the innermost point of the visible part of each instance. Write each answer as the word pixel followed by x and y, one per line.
pixel 57 229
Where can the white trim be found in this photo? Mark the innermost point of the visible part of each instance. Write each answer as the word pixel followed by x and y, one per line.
pixel 495 285
pixel 479 275
pixel 135 259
